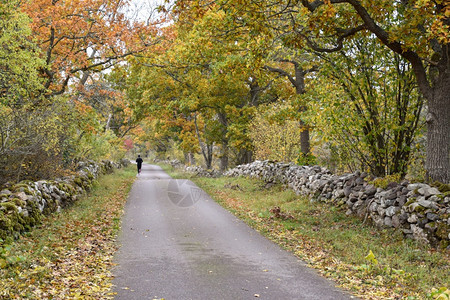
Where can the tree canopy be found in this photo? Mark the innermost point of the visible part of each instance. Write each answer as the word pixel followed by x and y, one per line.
pixel 349 84
pixel 417 31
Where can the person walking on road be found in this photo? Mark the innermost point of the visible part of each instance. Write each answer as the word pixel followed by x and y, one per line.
pixel 139 163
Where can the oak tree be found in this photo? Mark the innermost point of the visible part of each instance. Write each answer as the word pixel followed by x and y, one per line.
pixel 83 36
pixel 418 31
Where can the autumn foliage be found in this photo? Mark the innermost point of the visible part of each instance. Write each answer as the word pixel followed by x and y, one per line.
pixel 366 82
pixel 83 36
pixel 228 57
pixel 56 105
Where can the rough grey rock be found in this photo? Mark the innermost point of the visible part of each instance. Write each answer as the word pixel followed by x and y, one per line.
pixel 371 190
pixel 428 191
pixel 373 207
pixel 396 221
pixel 379 221
pixel 392 210
pixel 419 234
pixel 391 195
pixel 413 219
pixel 401 200
pixel 389 202
pixel 416 186
pixel 22 196
pixel 434 198
pixel 427 203
pixel 381 211
pixel 5 192
pixel 388 222
pixel 432 216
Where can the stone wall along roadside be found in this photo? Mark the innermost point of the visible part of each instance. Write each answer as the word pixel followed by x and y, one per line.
pixel 195 170
pixel 420 211
pixel 24 204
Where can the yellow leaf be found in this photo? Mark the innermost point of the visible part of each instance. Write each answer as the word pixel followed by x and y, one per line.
pixel 371 257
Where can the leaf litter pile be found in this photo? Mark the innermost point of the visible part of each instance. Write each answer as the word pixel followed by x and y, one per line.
pixel 70 255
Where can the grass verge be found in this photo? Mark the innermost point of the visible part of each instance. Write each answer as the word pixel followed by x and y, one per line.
pixel 174 172
pixel 369 262
pixel 69 256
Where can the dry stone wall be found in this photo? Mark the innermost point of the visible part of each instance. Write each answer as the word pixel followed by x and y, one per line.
pixel 195 170
pixel 420 211
pixel 23 205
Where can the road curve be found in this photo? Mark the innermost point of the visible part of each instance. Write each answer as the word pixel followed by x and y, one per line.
pixel 177 243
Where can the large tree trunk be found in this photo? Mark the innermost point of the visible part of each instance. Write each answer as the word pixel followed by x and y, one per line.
pixel 224 156
pixel 435 89
pixel 298 82
pixel 305 146
pixel 209 156
pixel 245 156
pixel 438 135
pixel 225 151
pixel 206 147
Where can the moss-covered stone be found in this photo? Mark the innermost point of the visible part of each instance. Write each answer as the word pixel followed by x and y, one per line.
pixel 442 231
pixel 18 202
pixel 70 190
pixel 34 212
pixel 5 226
pixel 78 181
pixel 442 187
pixel 419 209
pixel 410 201
pixel 22 187
pixel 49 207
pixel 431 227
pixel 12 223
pixel 9 206
pixel 19 185
pixel 443 244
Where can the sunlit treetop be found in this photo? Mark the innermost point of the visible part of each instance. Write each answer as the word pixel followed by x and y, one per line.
pixel 84 35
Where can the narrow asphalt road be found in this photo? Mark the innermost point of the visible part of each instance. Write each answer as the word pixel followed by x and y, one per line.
pixel 177 243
